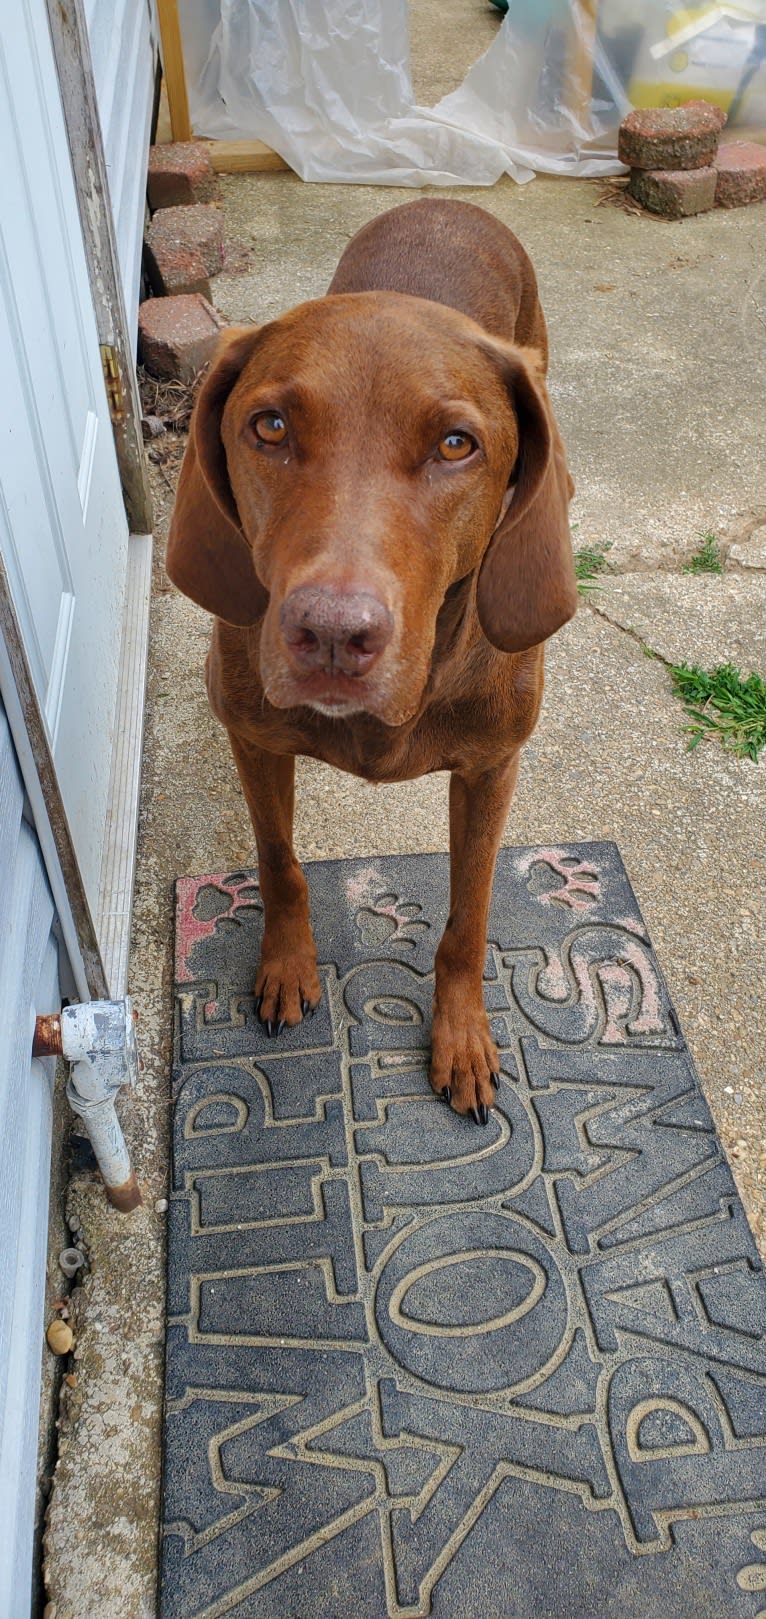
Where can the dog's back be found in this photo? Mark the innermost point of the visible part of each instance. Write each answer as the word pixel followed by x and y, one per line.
pixel 451 253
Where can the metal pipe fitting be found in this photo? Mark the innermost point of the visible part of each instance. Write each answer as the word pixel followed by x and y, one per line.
pixel 98 1039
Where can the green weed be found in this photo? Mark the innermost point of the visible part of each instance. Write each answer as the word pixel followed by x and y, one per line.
pixel 720 703
pixel 590 561
pixel 709 558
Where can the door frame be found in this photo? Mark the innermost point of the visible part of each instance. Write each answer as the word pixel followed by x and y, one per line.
pixel 74 67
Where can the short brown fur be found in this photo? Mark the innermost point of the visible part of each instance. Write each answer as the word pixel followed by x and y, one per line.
pixel 432 327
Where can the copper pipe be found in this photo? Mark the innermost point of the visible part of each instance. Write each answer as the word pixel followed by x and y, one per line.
pixel 46 1041
pixel 125 1197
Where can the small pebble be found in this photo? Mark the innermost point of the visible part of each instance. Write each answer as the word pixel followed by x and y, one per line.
pixel 161 1205
pixel 60 1337
pixel 152 427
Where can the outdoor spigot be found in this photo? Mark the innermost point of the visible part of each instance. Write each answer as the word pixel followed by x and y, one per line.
pixel 98 1039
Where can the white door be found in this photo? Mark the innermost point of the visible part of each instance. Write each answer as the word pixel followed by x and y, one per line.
pixel 63 531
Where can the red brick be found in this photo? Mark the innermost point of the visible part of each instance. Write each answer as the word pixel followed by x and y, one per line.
pixel 711 106
pixel 178 336
pixel 741 169
pixel 675 193
pixel 176 269
pixel 197 228
pixel 180 173
pixel 670 137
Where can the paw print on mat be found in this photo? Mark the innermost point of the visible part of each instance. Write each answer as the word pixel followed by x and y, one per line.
pixel 207 904
pixel 386 920
pixel 556 878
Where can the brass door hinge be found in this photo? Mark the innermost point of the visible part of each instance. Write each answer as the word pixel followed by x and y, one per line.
pixel 113 382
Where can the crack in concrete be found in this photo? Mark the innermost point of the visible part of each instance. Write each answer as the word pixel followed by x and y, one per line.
pixel 649 652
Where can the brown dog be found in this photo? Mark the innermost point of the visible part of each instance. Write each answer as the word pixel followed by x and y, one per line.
pixel 373 504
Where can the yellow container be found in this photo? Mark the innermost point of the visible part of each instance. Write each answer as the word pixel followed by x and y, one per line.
pixel 697 51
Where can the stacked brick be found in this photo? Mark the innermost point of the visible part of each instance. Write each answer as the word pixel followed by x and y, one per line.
pixel 678 166
pixel 178 327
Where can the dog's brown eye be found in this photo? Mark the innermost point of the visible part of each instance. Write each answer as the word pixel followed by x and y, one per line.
pixel 456 446
pixel 270 427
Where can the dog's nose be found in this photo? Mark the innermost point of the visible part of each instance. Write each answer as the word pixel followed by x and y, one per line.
pixel 335 631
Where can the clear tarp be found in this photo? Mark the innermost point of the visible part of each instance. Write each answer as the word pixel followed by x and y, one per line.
pixel 327 84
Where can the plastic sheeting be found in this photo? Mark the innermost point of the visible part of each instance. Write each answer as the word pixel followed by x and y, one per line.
pixel 326 83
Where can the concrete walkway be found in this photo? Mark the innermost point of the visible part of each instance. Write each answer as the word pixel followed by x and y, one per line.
pixel 658 339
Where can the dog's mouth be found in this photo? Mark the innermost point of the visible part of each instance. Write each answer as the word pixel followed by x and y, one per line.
pixel 334 693
pixel 339 696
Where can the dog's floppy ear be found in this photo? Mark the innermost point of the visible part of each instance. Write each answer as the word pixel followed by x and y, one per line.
pixel 208 557
pixel 527 587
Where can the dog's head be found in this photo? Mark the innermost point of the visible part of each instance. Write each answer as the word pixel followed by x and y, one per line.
pixel 350 462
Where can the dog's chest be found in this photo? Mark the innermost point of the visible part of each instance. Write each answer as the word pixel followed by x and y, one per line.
pixel 444 738
pixel 378 753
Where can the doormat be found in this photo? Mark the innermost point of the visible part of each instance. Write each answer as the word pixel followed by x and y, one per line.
pixel 416 1367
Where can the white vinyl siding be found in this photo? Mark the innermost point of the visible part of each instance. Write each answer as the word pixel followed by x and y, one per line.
pixel 29 984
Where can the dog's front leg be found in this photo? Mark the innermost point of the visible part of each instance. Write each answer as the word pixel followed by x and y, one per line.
pixel 287 984
pixel 464 1060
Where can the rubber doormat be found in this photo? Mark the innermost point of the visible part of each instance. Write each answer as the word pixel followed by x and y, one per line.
pixel 418 1367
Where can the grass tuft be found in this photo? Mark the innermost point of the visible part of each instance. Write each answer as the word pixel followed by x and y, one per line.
pixel 589 562
pixel 721 704
pixel 709 558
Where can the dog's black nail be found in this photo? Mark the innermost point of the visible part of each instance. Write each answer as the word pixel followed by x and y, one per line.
pixel 484 1113
pixel 280 1025
pixel 305 1007
pixel 475 1116
pixel 258 1005
pixel 269 1028
pixel 495 1078
pixel 446 1095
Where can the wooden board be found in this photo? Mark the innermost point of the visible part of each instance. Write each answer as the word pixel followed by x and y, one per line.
pixel 244 157
pixel 174 123
pixel 173 69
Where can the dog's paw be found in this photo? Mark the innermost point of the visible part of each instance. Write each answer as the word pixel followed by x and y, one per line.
pixel 465 1066
pixel 287 988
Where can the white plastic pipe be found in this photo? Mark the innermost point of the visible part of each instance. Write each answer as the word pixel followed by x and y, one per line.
pixel 98 1038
